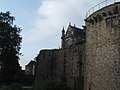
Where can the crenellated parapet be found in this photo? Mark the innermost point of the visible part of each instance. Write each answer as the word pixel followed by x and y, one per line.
pixel 112 11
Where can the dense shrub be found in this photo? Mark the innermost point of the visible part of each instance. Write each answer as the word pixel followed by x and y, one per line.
pixel 28 88
pixel 14 86
pixel 4 88
pixel 55 85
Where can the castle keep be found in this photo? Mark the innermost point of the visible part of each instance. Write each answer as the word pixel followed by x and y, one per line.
pixel 89 58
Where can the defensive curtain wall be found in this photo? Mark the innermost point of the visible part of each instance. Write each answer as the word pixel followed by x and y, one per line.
pixel 103 49
pixel 65 64
pixel 61 65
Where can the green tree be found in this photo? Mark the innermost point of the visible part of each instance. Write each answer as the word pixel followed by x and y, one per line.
pixel 10 44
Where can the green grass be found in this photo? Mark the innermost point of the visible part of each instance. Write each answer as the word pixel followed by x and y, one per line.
pixel 51 85
pixel 14 86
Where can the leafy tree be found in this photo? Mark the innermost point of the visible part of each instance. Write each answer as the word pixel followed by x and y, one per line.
pixel 10 44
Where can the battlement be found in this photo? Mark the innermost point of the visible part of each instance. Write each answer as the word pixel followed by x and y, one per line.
pixel 107 13
pixel 101 5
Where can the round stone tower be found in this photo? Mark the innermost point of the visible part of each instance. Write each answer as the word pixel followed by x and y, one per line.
pixel 102 70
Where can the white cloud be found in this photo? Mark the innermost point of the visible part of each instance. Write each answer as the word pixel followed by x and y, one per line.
pixel 54 14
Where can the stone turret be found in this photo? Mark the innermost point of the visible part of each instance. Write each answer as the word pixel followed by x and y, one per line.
pixel 103 49
pixel 63 38
pixel 72 36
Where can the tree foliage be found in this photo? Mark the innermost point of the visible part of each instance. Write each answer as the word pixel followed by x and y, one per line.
pixel 10 44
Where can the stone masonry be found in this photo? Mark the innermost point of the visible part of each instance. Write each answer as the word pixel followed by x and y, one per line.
pixel 103 49
pixel 90 61
pixel 65 64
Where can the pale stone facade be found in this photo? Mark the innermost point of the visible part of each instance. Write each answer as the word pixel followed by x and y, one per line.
pixel 72 36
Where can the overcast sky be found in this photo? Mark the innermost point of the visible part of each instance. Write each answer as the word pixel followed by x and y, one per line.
pixel 43 20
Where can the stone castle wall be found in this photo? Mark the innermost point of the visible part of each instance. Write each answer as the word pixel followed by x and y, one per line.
pixel 103 49
pixel 95 63
pixel 74 66
pixel 61 65
pixel 44 69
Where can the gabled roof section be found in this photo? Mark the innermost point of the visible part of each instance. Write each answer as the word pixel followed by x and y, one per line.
pixel 73 30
